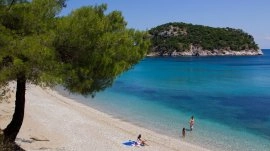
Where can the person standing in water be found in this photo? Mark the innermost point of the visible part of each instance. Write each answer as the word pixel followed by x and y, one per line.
pixel 184 132
pixel 191 122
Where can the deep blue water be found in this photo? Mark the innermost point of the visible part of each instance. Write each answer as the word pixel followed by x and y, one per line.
pixel 229 97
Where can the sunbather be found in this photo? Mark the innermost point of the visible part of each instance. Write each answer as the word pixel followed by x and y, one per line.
pixel 141 141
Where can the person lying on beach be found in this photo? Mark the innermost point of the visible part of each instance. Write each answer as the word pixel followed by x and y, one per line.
pixel 141 141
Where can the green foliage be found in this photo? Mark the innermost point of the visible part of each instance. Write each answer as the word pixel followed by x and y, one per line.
pixel 96 48
pixel 84 51
pixel 179 37
pixel 26 42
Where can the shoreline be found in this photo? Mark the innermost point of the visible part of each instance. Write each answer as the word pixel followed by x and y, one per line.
pixel 56 122
pixel 205 53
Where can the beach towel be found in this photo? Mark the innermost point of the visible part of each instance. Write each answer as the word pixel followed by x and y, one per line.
pixel 130 143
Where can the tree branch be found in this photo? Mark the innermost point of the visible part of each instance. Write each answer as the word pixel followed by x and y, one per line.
pixel 12 2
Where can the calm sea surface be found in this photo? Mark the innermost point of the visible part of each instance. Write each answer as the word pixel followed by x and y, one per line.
pixel 229 97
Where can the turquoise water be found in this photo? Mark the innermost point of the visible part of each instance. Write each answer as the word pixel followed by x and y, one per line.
pixel 229 97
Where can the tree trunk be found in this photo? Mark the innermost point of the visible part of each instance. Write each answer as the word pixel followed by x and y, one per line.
pixel 12 130
pixel 12 2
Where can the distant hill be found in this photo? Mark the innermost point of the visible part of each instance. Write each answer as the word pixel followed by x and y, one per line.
pixel 182 39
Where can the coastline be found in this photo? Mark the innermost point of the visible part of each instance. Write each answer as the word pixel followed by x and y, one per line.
pixel 201 52
pixel 56 122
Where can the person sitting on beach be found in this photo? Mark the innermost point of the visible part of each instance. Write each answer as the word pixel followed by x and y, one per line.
pixel 191 122
pixel 140 140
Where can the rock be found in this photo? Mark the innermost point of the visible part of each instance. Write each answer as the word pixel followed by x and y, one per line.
pixel 198 51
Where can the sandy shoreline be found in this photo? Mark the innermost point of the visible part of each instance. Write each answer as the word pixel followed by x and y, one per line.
pixel 60 123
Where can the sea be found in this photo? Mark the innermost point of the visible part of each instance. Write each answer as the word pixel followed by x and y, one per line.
pixel 229 96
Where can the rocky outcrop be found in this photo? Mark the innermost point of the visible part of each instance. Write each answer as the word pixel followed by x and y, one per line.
pixel 198 51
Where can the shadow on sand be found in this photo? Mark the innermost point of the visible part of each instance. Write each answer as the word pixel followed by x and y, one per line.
pixel 13 147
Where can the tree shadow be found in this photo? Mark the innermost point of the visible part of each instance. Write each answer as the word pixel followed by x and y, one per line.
pixel 9 146
pixel 18 148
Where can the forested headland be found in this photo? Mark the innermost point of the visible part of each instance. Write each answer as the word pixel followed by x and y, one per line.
pixel 198 40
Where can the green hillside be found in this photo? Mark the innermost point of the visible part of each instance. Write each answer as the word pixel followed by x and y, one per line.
pixel 180 37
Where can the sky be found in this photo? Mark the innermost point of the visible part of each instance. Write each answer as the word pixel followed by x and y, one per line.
pixel 252 16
